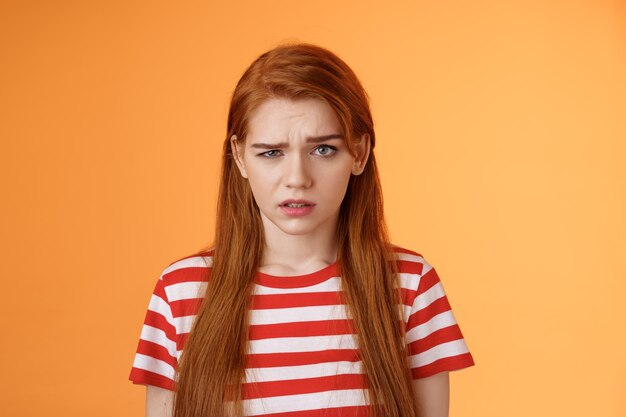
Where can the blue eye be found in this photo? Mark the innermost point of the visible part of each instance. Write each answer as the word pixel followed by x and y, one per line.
pixel 265 154
pixel 326 154
pixel 270 155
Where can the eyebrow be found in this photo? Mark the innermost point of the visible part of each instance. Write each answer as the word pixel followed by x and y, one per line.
pixel 310 139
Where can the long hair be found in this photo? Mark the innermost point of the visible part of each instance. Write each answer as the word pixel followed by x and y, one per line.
pixel 212 365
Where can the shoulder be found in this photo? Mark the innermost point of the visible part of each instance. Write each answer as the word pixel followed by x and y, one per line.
pixel 187 273
pixel 410 261
pixel 415 272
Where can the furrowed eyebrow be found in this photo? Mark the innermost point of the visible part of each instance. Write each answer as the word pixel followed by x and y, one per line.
pixel 310 139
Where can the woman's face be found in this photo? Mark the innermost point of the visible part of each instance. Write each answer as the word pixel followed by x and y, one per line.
pixel 295 150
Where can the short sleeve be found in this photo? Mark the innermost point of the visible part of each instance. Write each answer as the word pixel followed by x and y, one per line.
pixel 156 357
pixel 433 336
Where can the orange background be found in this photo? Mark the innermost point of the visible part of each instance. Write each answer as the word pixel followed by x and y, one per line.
pixel 501 140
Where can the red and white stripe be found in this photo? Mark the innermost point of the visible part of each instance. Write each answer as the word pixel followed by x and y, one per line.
pixel 303 358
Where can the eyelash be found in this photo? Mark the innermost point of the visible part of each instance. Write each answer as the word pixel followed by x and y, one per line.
pixel 264 154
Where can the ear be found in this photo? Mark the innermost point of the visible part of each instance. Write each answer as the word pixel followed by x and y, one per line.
pixel 363 153
pixel 237 151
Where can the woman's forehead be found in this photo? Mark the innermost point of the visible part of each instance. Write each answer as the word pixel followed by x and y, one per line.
pixel 285 119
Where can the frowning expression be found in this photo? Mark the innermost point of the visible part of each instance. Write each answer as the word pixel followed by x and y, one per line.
pixel 295 149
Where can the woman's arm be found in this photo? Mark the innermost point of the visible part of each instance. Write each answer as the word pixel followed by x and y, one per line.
pixel 433 395
pixel 158 402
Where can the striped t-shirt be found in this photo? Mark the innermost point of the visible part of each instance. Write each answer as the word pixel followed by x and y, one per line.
pixel 302 359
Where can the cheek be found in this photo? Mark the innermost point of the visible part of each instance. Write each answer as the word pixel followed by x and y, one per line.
pixel 258 187
pixel 261 183
pixel 335 182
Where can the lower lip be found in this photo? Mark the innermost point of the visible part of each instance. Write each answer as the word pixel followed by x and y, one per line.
pixel 296 211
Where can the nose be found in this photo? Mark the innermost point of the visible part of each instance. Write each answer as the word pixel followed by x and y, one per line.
pixel 297 173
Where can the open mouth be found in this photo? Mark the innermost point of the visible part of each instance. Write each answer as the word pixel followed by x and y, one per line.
pixel 293 205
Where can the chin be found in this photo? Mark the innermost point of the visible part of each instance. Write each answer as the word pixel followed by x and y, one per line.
pixel 294 226
pixel 295 230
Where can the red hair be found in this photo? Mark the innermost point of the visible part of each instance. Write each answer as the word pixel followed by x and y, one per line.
pixel 212 365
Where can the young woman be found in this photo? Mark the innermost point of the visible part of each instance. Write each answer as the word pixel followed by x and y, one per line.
pixel 301 306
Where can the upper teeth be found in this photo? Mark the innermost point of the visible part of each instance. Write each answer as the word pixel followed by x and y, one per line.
pixel 296 204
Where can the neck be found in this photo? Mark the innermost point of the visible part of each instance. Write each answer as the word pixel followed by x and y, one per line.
pixel 302 250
